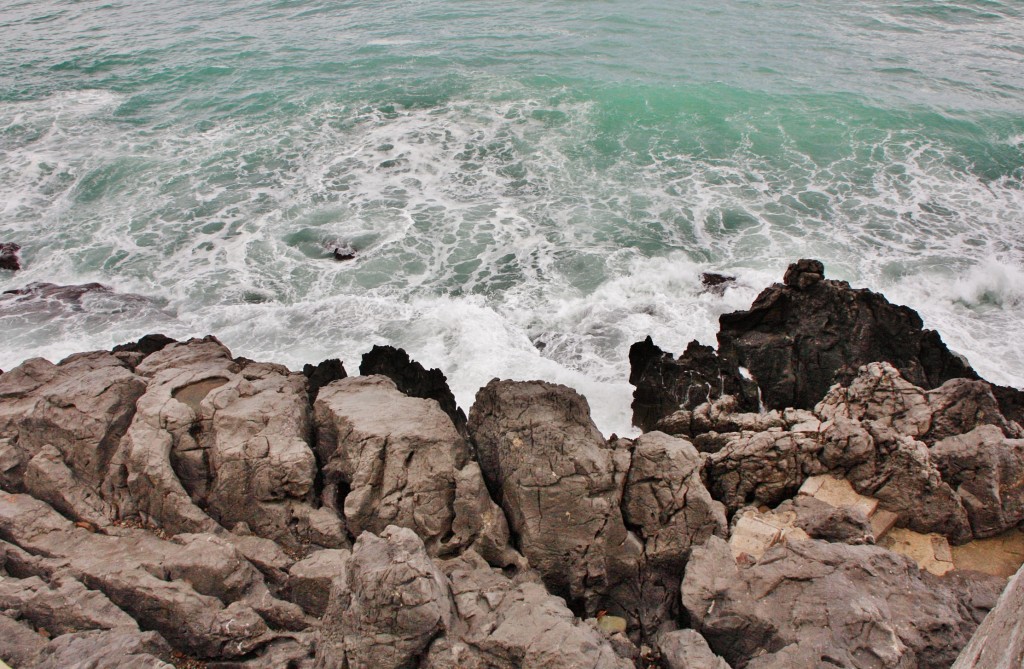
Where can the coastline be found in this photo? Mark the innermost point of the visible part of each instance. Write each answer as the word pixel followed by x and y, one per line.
pixel 279 500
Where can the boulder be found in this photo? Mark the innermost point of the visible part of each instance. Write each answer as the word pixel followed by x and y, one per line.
pixel 61 606
pixel 19 643
pixel 560 484
pixel 310 579
pixel 665 384
pixel 845 606
pixel 686 649
pixel 796 336
pixel 218 442
pixel 507 623
pixel 60 426
pixel 666 503
pixel 389 605
pixel 391 459
pixel 987 470
pixel 414 380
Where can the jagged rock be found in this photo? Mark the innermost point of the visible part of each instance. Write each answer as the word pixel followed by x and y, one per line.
pixel 719 416
pixel 387 608
pixel 560 485
pixel 513 624
pixel 118 649
pixel 665 385
pixel 797 336
pixel 479 523
pixel 987 470
pixel 322 374
pixel 61 606
pixel 844 606
pixel 390 459
pixel 217 442
pixel 999 641
pixel 60 426
pixel 716 283
pixel 288 653
pixel 414 380
pixel 687 649
pixel 960 405
pixel 310 580
pixel 146 345
pixel 9 256
pixel 671 510
pixel 762 467
pixel 198 591
pixel 19 643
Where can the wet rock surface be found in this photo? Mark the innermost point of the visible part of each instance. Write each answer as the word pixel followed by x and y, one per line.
pixel 9 259
pixel 167 504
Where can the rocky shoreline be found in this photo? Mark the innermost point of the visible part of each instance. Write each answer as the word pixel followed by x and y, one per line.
pixel 830 487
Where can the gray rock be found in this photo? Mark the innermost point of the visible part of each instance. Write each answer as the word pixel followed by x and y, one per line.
pixel 823 521
pixel 960 405
pixel 665 500
pixel 198 591
pixel 117 649
pixel 813 602
pixel 76 412
pixel 391 603
pixel 560 485
pixel 987 469
pixel 514 624
pixel 390 459
pixel 999 641
pixel 762 467
pixel 310 580
pixel 61 606
pixel 19 643
pixel 218 442
pixel 687 649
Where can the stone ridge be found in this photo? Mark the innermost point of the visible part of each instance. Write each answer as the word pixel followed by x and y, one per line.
pixel 167 504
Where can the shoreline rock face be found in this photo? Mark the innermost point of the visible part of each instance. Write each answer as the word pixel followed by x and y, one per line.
pixel 167 504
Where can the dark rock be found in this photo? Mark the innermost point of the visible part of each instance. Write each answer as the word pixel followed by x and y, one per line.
pixel 9 256
pixel 716 283
pixel 1011 402
pixel 804 273
pixel 814 603
pixel 797 336
pixel 413 379
pixel 342 255
pixel 148 344
pixel 323 373
pixel 665 385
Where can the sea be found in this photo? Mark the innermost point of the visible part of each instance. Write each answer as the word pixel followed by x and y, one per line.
pixel 527 187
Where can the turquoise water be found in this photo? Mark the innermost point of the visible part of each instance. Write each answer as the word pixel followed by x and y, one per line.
pixel 530 187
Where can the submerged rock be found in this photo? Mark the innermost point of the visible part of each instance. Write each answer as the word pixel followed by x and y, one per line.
pixel 9 256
